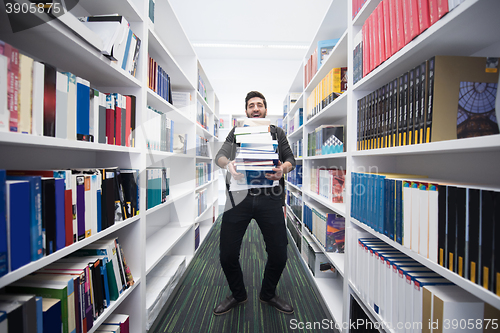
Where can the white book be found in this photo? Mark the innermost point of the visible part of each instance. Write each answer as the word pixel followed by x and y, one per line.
pixel 108 32
pixel 385 284
pixel 37 98
pixel 415 218
pixel 61 105
pixel 71 110
pixel 403 302
pixel 407 217
pixel 410 275
pixel 253 122
pixel 25 91
pixel 255 138
pixel 423 232
pixel 4 111
pixel 379 275
pixel 250 130
pixel 450 304
pixel 418 288
pixel 433 224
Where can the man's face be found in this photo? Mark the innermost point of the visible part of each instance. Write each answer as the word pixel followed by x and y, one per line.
pixel 256 108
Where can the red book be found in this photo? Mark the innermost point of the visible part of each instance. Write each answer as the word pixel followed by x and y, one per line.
pixel 366 48
pixel 49 101
pixel 68 216
pixel 118 120
pixel 413 18
pixel 110 119
pixel 400 28
pixel 12 55
pixel 387 29
pixel 381 32
pixel 433 11
pixel 374 28
pixel 393 32
pixel 424 20
pixel 406 20
pixel 442 8
pixel 128 122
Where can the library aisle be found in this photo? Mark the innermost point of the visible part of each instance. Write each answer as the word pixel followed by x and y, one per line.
pixel 204 285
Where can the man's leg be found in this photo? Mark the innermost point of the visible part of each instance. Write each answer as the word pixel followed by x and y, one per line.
pixel 234 225
pixel 269 217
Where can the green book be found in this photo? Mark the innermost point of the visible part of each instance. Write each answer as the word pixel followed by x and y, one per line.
pixel 51 290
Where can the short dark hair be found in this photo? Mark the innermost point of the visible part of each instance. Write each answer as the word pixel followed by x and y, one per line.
pixel 253 94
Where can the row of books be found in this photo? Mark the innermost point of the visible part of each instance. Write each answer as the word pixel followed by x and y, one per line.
pixel 159 130
pixel 202 89
pixel 297 148
pixel 36 98
pixel 157 186
pixel 393 24
pixel 454 225
pixel 160 283
pixel 294 201
pixel 316 260
pixel 294 227
pixel 77 289
pixel 295 122
pixel 203 173
pixel 202 146
pixel 159 80
pixel 408 296
pixel 356 7
pixel 295 176
pixel 328 183
pixel 289 102
pixel 201 200
pixel 120 43
pixel 42 211
pixel 316 59
pixel 201 115
pixel 326 139
pixel 327 90
pixel 327 227
pixel 431 102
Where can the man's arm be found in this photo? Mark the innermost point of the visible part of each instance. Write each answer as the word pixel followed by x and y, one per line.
pixel 222 159
pixel 286 155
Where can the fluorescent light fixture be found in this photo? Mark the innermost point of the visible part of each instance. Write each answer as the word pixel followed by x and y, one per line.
pixel 250 46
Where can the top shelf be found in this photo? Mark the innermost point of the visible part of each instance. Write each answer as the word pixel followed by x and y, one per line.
pixel 461 39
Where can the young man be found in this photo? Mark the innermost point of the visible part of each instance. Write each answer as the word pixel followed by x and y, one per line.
pixel 262 204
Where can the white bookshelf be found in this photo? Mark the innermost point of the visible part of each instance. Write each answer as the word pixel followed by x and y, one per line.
pixel 167 229
pixel 467 30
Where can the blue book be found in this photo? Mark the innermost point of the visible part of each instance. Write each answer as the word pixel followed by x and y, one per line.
pixel 39 314
pixel 104 275
pixel 51 315
pixel 127 49
pixel 35 203
pixel 82 109
pixel 60 214
pixel 99 212
pixel 18 223
pixel 80 206
pixel 4 268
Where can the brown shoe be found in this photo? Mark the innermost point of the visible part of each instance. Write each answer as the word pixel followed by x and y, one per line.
pixel 226 305
pixel 279 304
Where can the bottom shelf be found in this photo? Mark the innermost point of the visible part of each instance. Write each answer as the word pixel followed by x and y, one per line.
pixel 113 306
pixel 331 290
pixel 381 325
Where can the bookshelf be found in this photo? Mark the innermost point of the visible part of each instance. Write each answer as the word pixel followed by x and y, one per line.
pixel 467 30
pixel 166 229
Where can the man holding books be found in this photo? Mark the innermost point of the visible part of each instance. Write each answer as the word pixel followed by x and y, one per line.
pixel 255 191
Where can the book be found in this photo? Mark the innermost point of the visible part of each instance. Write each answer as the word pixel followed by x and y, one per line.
pixel 49 101
pixel 4 78
pixel 325 47
pixel 82 109
pixel 18 223
pixel 61 105
pixel 71 109
pixel 25 86
pixel 51 314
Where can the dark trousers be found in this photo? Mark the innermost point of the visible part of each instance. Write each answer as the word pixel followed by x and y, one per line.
pixel 267 210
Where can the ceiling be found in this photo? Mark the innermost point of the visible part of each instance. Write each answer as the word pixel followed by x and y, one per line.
pixel 233 71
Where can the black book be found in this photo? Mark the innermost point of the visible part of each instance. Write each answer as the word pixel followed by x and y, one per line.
pixel 442 225
pixel 430 100
pixel 395 140
pixel 487 239
pixel 452 228
pixel 416 105
pixel 49 213
pixel 496 246
pixel 411 106
pixel 49 101
pixel 474 204
pixel 461 207
pixel 388 114
pixel 130 190
pixel 401 112
pixel 423 102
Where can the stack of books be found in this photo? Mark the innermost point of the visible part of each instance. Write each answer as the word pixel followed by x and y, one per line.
pixel 256 154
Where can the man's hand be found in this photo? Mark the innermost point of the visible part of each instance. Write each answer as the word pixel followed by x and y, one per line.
pixel 236 175
pixel 278 172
